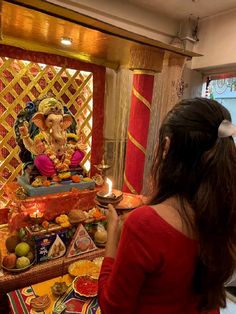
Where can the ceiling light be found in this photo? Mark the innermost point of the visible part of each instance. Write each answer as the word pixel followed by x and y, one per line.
pixel 66 41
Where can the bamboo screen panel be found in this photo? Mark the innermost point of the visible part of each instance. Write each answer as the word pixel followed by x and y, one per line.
pixel 24 81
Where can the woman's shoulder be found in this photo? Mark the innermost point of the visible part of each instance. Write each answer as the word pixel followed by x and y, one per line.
pixel 140 216
pixel 162 218
pixel 144 210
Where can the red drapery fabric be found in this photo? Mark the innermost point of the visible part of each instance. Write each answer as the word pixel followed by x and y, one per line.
pixel 98 89
pixel 138 131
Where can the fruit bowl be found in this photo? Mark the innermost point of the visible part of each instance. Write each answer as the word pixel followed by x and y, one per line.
pixel 18 270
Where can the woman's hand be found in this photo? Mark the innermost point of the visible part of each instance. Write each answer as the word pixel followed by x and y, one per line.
pixel 144 199
pixel 112 220
pixel 114 227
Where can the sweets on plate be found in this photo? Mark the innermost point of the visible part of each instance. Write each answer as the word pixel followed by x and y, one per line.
pixel 85 286
pixel 84 268
pixel 40 303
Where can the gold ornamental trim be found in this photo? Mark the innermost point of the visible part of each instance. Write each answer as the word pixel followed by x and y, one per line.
pixel 148 72
pixel 141 98
pixel 136 143
pixel 146 58
pixel 129 185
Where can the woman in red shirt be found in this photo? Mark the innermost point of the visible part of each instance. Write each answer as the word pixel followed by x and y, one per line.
pixel 175 254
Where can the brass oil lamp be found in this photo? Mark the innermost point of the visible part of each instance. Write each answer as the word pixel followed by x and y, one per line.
pixel 111 196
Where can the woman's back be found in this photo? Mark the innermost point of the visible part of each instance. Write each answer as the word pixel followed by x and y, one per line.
pixel 155 265
pixel 172 282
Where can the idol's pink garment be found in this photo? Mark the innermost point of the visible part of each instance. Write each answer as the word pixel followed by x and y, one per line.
pixel 46 167
pixel 153 270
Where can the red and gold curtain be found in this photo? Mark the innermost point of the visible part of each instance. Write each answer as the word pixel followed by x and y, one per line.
pixel 138 131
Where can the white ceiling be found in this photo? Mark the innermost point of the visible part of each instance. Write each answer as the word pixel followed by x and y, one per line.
pixel 180 9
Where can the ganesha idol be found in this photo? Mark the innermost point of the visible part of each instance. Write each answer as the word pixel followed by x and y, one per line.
pixel 55 151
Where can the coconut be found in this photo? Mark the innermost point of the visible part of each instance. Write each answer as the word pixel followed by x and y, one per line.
pixel 11 243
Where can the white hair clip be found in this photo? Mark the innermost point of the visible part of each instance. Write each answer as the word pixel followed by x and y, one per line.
pixel 226 129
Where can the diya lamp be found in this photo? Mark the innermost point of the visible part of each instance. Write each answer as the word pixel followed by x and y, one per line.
pixel 102 167
pixel 111 196
pixel 35 217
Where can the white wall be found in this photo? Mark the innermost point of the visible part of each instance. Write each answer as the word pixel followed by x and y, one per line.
pixel 192 82
pixel 216 42
pixel 230 309
pixel 126 16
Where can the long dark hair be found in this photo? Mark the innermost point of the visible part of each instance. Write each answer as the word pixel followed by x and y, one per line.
pixel 200 168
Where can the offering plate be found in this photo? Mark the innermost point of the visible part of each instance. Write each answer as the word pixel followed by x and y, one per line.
pixel 129 201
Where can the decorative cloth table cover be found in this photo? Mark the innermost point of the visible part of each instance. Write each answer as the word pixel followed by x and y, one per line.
pixel 19 300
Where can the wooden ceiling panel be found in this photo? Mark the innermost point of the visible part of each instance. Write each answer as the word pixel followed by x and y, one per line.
pixel 26 25
pixel 33 29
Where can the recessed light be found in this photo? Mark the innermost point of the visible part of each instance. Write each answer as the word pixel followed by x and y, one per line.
pixel 66 41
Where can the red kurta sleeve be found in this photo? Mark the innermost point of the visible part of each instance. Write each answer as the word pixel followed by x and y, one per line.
pixel 121 279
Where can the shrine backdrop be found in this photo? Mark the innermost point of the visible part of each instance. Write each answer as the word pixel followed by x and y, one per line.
pixel 26 76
